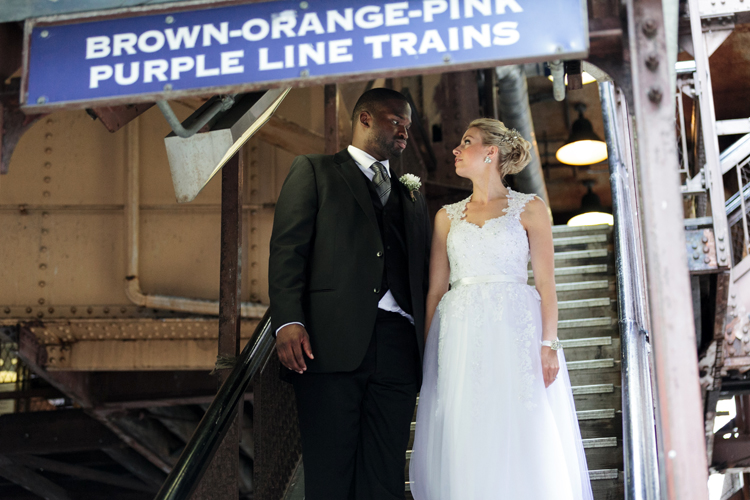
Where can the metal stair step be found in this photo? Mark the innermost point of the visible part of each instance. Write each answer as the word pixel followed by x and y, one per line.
pixel 563 229
pixel 582 415
pixel 593 389
pixel 580 240
pixel 606 442
pixel 581 254
pixel 583 323
pixel 594 475
pixel 598 475
pixel 582 285
pixel 596 414
pixel 590 364
pixel 570 270
pixel 581 303
pixel 589 342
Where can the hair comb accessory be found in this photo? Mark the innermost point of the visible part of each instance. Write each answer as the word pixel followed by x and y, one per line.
pixel 511 137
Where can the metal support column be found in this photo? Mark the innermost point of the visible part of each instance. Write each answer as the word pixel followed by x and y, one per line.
pixel 680 414
pixel 331 118
pixel 221 479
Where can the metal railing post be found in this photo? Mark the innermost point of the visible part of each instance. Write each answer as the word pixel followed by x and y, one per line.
pixel 639 431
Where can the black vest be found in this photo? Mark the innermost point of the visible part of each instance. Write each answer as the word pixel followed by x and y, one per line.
pixel 393 235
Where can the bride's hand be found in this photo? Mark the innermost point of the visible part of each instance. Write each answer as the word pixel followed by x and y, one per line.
pixel 550 365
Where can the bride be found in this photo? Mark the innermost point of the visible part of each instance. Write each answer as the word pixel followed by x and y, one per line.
pixel 496 418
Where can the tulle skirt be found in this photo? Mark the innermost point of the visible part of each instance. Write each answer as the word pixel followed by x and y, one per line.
pixel 487 428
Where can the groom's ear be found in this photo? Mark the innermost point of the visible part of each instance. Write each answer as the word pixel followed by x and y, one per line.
pixel 365 119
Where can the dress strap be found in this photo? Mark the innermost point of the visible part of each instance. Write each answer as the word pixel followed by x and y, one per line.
pixel 517 203
pixel 456 211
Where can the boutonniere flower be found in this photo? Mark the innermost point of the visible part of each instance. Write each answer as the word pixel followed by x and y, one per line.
pixel 412 183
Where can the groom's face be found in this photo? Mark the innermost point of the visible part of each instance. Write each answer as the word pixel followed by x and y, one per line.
pixel 389 129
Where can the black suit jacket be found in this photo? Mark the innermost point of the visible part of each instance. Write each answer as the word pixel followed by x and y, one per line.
pixel 326 261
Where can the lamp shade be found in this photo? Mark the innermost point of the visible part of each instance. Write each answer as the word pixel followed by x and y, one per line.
pixel 584 76
pixel 583 147
pixel 592 213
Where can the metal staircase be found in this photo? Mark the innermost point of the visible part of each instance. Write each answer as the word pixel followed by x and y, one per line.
pixel 588 328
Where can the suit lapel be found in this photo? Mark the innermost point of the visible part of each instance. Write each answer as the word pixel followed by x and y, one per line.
pixel 356 182
pixel 412 229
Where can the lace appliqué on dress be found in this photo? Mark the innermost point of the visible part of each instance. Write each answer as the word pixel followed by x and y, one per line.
pixel 500 246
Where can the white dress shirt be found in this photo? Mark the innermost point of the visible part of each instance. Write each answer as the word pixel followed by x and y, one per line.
pixel 364 161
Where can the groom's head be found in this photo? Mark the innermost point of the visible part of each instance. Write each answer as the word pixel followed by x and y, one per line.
pixel 380 123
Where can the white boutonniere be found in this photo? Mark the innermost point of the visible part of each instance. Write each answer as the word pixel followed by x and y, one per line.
pixel 412 183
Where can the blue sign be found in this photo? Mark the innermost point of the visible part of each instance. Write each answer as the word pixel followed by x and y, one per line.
pixel 283 42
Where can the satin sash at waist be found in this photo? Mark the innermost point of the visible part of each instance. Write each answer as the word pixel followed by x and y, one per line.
pixel 492 278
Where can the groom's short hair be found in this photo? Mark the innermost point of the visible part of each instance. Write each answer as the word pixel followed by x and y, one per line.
pixel 370 100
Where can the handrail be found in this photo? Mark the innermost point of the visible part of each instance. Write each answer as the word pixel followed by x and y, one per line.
pixel 642 480
pixel 212 428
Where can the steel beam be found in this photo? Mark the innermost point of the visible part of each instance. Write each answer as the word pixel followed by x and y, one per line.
pixel 81 472
pixel 222 475
pixel 30 480
pixel 137 465
pixel 61 431
pixel 116 117
pixel 679 410
pixel 331 118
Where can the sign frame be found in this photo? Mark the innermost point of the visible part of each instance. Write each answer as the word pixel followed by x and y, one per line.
pixel 301 81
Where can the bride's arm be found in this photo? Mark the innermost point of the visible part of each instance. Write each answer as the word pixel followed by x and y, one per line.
pixel 439 267
pixel 536 221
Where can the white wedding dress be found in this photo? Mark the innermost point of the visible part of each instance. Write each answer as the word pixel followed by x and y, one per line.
pixel 487 428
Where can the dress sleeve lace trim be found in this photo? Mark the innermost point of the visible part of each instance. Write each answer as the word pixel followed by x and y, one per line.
pixel 517 203
pixel 456 211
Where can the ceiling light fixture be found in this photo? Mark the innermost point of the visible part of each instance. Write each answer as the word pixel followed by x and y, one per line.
pixel 585 76
pixel 592 213
pixel 583 147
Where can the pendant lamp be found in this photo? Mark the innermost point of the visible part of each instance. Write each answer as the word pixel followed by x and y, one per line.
pixel 592 213
pixel 583 147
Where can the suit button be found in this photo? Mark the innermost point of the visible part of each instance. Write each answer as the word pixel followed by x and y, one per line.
pixel 379 254
pixel 376 290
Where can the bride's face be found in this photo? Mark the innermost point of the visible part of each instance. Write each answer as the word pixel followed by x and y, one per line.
pixel 470 154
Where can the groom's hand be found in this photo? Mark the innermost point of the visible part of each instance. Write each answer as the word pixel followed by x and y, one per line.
pixel 291 342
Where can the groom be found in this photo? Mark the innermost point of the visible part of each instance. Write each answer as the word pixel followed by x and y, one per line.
pixel 347 281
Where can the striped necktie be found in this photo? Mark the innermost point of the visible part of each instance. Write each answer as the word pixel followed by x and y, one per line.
pixel 382 182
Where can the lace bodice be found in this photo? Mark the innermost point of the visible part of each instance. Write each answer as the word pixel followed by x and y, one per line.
pixel 501 246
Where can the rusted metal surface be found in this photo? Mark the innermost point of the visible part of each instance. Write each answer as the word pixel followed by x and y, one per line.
pixel 278 446
pixel 230 273
pixel 116 117
pixel 679 409
pixel 222 475
pixel 712 169
pixel 701 250
pixel 732 442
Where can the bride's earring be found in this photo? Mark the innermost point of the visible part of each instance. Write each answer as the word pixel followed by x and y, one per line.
pixel 487 159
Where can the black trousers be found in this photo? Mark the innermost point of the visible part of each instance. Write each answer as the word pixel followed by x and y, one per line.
pixel 355 426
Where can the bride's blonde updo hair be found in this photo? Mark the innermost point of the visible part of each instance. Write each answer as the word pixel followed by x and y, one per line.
pixel 515 151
